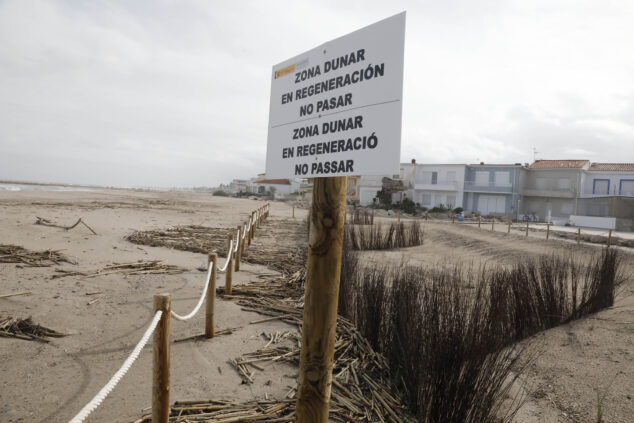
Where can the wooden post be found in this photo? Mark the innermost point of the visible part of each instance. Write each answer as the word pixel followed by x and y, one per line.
pixel 293 212
pixel 243 242
pixel 578 235
pixel 493 224
pixel 398 216
pixel 372 218
pixel 210 305
pixel 547 230
pixel 229 272
pixel 508 229
pixel 453 218
pixel 526 228
pixel 479 221
pixel 321 297
pixel 238 252
pixel 250 234
pixel 161 366
pixel 609 238
pixel 426 215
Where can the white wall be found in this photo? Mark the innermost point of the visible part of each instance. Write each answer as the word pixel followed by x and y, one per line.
pixel 367 195
pixel 614 179
pixel 449 184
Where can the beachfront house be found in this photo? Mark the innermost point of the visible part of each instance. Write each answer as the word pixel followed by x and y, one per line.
pixel 438 185
pixel 607 197
pixel 281 188
pixel 549 190
pixel 492 189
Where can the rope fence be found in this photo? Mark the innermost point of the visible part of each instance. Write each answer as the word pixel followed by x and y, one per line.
pixel 160 324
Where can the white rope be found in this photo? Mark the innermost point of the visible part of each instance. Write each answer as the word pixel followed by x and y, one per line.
pixel 200 301
pixel 230 253
pixel 101 395
pixel 235 248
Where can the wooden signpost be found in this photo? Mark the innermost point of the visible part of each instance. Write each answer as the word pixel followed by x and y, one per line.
pixel 335 112
pixel 321 299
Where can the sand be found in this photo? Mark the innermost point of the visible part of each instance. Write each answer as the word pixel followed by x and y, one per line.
pixel 51 382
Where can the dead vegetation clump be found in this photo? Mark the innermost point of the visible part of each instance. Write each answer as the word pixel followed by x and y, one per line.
pixel 452 348
pixel 539 294
pixel 194 238
pixel 279 251
pixel 378 237
pixel 140 267
pixel 362 217
pixel 12 327
pixel 28 258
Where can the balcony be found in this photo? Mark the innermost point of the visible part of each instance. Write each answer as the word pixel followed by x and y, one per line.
pixel 495 187
pixel 549 191
pixel 438 186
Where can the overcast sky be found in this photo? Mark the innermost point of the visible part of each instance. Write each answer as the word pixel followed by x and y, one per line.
pixel 176 93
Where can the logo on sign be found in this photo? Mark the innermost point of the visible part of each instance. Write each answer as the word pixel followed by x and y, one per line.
pixel 284 71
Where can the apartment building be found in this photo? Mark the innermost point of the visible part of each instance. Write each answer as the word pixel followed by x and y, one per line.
pixel 549 189
pixel 608 179
pixel 437 184
pixel 492 189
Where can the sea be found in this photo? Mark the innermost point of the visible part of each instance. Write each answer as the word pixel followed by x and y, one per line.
pixel 9 186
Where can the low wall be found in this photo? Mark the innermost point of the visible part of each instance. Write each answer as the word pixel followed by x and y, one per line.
pixel 593 222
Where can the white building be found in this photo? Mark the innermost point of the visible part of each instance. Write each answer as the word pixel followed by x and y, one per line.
pixel 281 187
pixel 368 187
pixel 437 184
pixel 238 185
pixel 608 179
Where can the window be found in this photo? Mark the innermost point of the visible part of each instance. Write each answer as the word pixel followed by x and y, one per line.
pixel 482 179
pixel 626 187
pixel 563 183
pixel 434 178
pixel 502 179
pixel 451 176
pixel 601 186
pixel 426 201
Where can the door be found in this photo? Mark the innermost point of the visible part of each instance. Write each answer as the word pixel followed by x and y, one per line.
pixel 490 204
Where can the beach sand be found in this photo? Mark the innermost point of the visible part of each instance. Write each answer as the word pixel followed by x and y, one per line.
pixel 50 382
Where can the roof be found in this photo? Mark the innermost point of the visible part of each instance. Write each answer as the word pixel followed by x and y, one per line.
pixel 495 165
pixel 273 181
pixel 613 167
pixel 558 164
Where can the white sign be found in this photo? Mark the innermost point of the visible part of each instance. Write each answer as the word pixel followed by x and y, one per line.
pixel 336 109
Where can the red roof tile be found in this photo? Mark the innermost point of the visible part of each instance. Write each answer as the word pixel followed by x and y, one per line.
pixel 613 167
pixel 274 181
pixel 558 164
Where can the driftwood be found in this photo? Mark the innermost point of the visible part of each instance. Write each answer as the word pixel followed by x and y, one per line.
pixel 12 327
pixel 46 222
pixel 283 256
pixel 134 268
pixel 15 294
pixel 17 254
